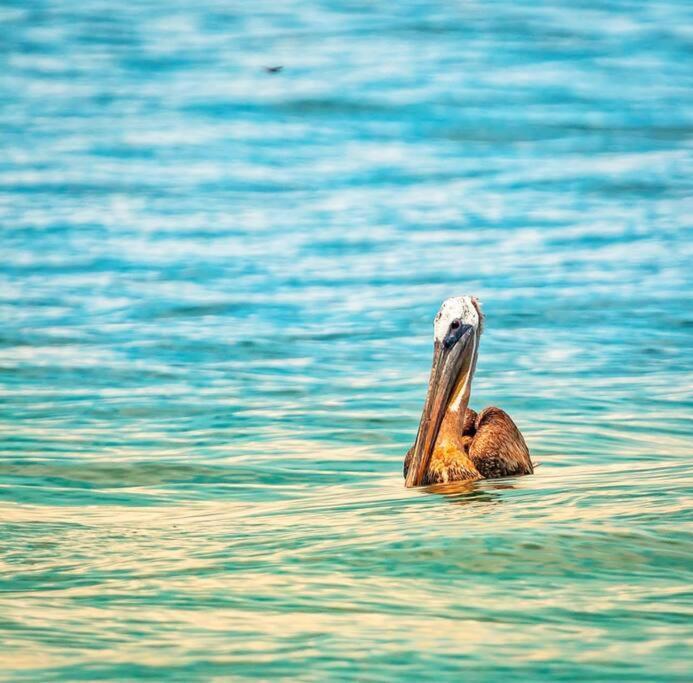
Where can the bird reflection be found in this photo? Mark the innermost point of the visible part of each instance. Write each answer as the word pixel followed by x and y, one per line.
pixel 468 492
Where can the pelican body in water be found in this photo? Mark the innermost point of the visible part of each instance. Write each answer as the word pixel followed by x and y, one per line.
pixel 454 443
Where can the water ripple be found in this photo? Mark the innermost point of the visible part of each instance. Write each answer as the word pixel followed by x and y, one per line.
pixel 217 288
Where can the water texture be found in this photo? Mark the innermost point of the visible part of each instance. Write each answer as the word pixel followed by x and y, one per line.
pixel 217 287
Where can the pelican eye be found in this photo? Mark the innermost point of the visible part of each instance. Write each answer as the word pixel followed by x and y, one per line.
pixel 454 324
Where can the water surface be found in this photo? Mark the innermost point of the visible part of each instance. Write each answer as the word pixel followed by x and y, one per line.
pixel 217 288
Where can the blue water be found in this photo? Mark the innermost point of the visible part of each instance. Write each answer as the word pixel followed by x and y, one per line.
pixel 217 288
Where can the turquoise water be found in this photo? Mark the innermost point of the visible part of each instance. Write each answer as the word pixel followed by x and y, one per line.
pixel 217 288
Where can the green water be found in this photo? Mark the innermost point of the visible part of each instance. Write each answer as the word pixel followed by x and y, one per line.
pixel 217 288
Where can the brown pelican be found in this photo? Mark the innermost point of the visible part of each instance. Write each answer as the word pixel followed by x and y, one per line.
pixel 454 442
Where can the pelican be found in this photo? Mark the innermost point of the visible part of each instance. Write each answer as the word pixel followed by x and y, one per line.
pixel 454 443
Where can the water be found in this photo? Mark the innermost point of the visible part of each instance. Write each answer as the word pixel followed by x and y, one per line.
pixel 217 290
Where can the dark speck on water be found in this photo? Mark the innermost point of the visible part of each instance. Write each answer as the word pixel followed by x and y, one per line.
pixel 217 297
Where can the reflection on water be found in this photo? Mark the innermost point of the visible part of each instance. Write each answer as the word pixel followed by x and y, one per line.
pixel 551 569
pixel 217 288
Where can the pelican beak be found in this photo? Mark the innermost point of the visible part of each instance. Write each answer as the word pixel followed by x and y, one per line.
pixel 453 360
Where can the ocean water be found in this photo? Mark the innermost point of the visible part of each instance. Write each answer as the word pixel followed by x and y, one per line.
pixel 217 287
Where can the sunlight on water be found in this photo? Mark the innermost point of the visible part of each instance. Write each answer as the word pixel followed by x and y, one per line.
pixel 217 288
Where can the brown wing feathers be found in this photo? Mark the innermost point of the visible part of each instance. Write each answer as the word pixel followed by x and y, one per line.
pixel 498 449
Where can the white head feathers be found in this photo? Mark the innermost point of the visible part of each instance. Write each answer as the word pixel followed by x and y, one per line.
pixel 466 309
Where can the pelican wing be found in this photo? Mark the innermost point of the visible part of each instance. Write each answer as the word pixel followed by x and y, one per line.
pixel 498 449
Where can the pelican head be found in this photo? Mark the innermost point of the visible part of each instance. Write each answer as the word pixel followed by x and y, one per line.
pixel 456 331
